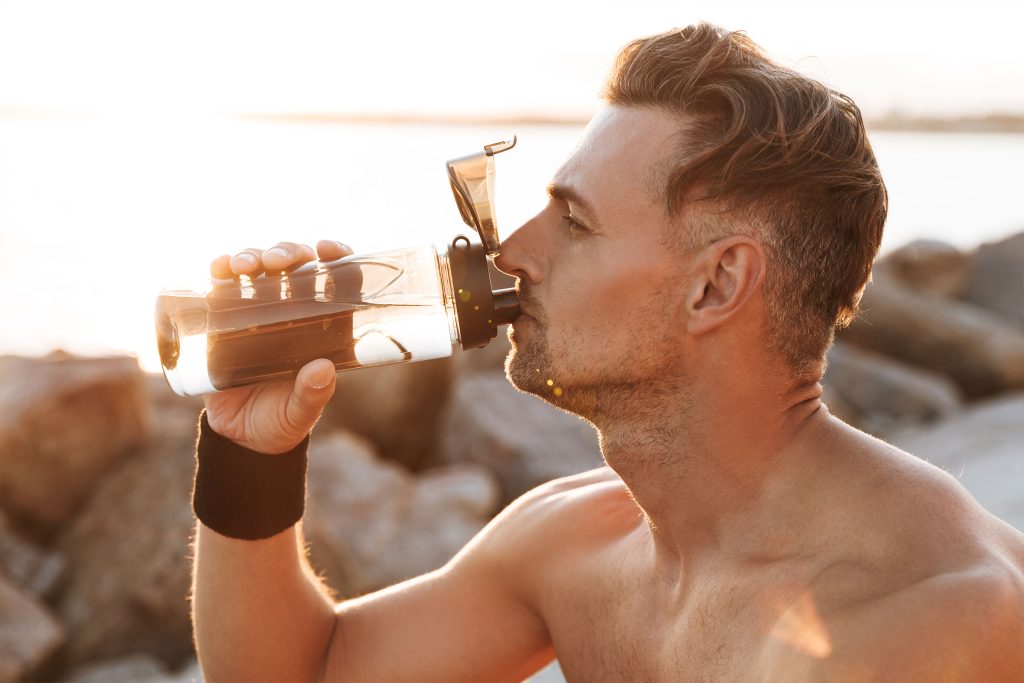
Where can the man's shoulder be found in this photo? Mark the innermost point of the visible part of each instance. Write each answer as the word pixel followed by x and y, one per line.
pixel 965 624
pixel 919 583
pixel 595 500
pixel 577 513
pixel 903 508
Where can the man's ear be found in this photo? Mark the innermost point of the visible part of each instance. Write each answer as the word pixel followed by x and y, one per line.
pixel 731 270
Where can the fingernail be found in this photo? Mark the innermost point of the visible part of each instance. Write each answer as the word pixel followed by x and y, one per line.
pixel 246 256
pixel 278 251
pixel 322 378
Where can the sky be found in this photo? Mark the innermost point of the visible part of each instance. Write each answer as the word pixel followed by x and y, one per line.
pixel 116 140
pixel 472 58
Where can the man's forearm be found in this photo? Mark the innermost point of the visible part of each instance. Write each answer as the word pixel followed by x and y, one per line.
pixel 258 612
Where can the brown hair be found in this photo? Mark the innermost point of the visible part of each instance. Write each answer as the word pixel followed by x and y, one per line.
pixel 785 153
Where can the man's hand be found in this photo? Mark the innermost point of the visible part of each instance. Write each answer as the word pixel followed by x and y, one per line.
pixel 274 416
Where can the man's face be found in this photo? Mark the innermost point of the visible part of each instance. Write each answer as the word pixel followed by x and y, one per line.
pixel 601 294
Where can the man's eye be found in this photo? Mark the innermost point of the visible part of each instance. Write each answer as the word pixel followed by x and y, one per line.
pixel 573 226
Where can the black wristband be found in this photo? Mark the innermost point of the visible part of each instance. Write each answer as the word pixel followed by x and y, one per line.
pixel 245 494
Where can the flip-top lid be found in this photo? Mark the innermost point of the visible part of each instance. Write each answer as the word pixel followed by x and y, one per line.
pixel 472 180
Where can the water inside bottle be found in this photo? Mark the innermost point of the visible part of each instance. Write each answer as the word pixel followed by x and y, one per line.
pixel 348 335
pixel 356 314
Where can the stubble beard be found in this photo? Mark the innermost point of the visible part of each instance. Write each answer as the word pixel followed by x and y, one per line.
pixel 625 407
pixel 530 367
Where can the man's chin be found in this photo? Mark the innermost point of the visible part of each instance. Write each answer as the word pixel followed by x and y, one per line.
pixel 525 372
pixel 514 371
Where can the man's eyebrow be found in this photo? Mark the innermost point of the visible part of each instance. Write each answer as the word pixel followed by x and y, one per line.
pixel 563 192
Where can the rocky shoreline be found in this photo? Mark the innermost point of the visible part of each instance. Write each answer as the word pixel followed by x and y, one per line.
pixel 410 461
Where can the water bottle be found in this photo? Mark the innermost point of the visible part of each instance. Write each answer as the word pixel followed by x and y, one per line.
pixel 391 307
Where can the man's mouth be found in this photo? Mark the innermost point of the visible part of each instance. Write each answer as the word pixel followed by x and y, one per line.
pixel 526 304
pixel 523 322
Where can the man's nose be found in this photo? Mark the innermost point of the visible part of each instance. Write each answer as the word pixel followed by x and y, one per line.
pixel 518 256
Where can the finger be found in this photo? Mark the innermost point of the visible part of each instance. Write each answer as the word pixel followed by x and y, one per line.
pixel 284 255
pixel 220 268
pixel 247 262
pixel 329 250
pixel 314 386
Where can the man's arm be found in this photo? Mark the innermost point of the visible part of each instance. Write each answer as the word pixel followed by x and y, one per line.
pixel 475 619
pixel 258 612
pixel 480 617
pixel 261 615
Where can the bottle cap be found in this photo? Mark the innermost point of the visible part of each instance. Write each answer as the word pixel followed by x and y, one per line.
pixel 478 309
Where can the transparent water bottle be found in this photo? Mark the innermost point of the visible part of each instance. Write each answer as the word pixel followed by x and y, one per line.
pixel 390 307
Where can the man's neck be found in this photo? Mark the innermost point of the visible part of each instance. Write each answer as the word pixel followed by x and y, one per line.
pixel 715 468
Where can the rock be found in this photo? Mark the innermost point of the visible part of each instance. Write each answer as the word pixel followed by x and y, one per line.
pixel 983 447
pixel 371 523
pixel 972 346
pixel 396 407
pixel 29 633
pixel 520 438
pixel 129 552
pixel 64 422
pixel 27 565
pixel 884 392
pixel 929 266
pixel 996 279
pixel 137 669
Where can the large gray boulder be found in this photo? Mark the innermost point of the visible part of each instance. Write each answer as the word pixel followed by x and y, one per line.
pixel 29 633
pixel 64 422
pixel 30 566
pixel 983 447
pixel 885 393
pixel 996 279
pixel 396 407
pixel 973 346
pixel 523 440
pixel 928 266
pixel 129 553
pixel 370 523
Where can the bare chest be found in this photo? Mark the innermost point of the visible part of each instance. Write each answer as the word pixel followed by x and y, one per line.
pixel 621 631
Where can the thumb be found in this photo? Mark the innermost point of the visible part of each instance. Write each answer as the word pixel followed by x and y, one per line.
pixel 314 386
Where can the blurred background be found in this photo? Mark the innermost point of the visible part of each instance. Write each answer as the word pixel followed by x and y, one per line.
pixel 140 140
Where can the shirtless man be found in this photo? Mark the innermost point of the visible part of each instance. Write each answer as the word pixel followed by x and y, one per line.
pixel 717 220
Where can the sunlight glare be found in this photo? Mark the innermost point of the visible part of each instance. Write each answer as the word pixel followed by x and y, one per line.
pixel 801 627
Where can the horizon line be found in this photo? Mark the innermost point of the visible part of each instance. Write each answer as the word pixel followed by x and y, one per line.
pixel 994 122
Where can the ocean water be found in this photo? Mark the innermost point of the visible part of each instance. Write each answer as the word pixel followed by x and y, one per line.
pixel 98 214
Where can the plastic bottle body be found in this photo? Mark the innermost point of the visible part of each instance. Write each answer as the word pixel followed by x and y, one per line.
pixel 358 311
